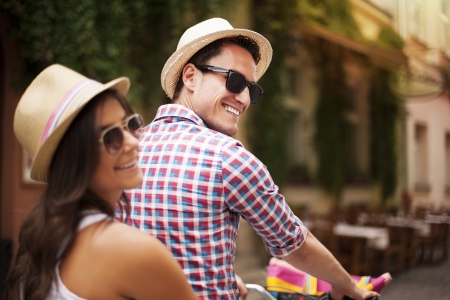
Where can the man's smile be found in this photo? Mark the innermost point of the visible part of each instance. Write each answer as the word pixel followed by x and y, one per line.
pixel 232 110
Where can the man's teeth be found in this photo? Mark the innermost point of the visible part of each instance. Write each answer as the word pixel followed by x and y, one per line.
pixel 130 164
pixel 232 110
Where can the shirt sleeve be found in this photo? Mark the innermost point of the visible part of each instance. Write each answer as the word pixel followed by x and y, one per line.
pixel 250 191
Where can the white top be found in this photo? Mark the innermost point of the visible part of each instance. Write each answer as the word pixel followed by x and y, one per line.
pixel 59 291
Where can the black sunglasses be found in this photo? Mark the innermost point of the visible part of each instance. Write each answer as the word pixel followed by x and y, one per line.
pixel 112 137
pixel 236 82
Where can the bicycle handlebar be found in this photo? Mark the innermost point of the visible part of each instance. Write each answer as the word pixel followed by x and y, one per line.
pixel 267 296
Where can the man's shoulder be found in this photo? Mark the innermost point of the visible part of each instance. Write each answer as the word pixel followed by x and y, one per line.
pixel 178 119
pixel 186 131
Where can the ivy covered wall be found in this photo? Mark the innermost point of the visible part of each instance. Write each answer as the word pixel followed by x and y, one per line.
pixel 385 113
pixel 105 40
pixel 266 129
pixel 335 99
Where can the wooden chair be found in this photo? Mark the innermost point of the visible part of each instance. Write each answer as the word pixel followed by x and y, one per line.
pixel 327 237
pixel 355 255
pixel 430 248
pixel 395 255
pixel 435 245
pixel 447 242
pixel 408 233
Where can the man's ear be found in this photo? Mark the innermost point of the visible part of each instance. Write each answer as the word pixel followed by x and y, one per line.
pixel 189 75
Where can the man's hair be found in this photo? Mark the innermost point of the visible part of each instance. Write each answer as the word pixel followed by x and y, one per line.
pixel 214 49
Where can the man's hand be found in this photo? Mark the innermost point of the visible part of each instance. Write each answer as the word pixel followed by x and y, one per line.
pixel 242 289
pixel 313 258
pixel 359 294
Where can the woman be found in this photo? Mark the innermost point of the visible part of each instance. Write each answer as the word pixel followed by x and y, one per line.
pixel 83 136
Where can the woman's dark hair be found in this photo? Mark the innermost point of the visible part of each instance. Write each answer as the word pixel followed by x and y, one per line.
pixel 214 49
pixel 55 218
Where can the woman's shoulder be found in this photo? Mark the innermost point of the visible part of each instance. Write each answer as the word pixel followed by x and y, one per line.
pixel 124 239
pixel 136 264
pixel 135 253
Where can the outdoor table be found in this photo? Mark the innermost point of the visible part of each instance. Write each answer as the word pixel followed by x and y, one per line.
pixel 437 219
pixel 377 238
pixel 421 227
pixel 361 238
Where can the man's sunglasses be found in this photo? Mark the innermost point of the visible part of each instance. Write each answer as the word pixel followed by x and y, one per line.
pixel 112 137
pixel 236 82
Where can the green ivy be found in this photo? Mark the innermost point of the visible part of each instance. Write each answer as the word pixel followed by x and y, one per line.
pixel 384 114
pixel 330 140
pixel 389 38
pixel 267 122
pixel 107 39
pixel 333 102
pixel 335 15
pixel 81 34
pixel 335 99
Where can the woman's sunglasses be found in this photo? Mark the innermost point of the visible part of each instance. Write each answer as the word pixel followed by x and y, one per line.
pixel 112 137
pixel 236 82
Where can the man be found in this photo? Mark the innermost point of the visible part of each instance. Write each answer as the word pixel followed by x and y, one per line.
pixel 198 180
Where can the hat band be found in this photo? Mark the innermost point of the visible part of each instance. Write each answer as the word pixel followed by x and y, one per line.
pixel 71 101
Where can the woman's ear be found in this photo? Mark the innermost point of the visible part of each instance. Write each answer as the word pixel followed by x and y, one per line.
pixel 188 75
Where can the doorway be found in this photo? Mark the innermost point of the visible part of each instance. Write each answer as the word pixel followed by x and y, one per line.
pixel 5 244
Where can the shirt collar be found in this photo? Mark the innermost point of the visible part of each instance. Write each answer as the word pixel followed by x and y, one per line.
pixel 179 111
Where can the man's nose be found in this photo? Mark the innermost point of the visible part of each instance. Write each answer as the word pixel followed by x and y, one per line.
pixel 244 96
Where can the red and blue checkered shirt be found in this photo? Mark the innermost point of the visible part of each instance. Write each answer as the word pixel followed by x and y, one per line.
pixel 197 182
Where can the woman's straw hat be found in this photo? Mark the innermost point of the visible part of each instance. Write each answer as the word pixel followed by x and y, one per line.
pixel 202 34
pixel 48 107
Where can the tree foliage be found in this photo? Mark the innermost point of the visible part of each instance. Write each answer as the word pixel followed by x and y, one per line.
pixel 106 39
pixel 384 114
pixel 389 38
pixel 335 15
pixel 335 98
pixel 275 20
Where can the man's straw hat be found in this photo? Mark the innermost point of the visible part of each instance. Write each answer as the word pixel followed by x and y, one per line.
pixel 202 34
pixel 48 107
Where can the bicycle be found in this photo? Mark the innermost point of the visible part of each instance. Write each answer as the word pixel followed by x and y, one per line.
pixel 266 295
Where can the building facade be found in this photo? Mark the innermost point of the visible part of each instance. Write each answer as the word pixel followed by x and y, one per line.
pixel 359 60
pixel 425 28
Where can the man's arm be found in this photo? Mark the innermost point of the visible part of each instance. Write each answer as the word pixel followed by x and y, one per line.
pixel 243 291
pixel 313 258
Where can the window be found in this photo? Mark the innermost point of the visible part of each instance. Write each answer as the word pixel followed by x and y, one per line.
pixel 420 157
pixel 355 175
pixel 293 81
pixel 298 172
pixel 445 7
pixel 351 147
pixel 415 19
pixel 445 26
pixel 293 138
pixel 447 159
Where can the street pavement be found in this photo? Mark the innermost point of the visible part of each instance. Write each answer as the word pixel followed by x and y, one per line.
pixel 424 282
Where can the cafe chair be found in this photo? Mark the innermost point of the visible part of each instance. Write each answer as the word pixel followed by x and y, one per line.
pixel 436 244
pixel 329 239
pixel 354 255
pixel 393 258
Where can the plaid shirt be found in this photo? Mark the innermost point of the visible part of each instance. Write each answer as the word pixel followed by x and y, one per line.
pixel 197 182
